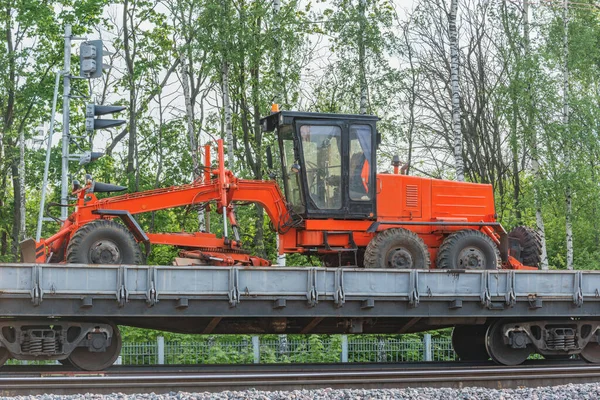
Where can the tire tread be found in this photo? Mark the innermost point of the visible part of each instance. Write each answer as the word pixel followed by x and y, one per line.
pixel 531 245
pixel 372 252
pixel 74 253
pixel 444 255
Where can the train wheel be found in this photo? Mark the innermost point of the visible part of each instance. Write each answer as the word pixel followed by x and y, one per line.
pixel 4 355
pixel 65 362
pixel 531 245
pixel 591 353
pixel 468 249
pixel 499 351
pixel 103 242
pixel 87 360
pixel 468 342
pixel 397 248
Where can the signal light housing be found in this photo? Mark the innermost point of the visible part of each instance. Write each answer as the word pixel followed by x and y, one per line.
pixel 90 156
pixel 90 59
pixel 93 110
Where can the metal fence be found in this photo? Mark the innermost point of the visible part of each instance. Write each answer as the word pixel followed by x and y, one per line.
pixel 283 349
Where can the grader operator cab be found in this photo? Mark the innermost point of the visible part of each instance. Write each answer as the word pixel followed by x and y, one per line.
pixel 328 163
pixel 336 206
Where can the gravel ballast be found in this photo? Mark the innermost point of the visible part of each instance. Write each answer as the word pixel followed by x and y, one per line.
pixel 589 391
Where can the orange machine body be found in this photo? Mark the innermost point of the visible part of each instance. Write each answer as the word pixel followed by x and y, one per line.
pixel 433 208
pixel 323 213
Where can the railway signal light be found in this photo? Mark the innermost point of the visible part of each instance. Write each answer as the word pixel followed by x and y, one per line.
pixel 90 156
pixel 90 59
pixel 93 110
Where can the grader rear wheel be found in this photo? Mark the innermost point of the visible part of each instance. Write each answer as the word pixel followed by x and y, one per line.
pixel 468 249
pixel 530 244
pixel 397 248
pixel 87 360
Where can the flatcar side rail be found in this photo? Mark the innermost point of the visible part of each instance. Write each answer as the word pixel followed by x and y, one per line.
pixel 194 291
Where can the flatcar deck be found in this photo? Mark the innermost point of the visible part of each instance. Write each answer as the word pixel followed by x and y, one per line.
pixel 228 299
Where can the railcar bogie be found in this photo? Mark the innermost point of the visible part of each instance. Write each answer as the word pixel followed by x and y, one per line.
pixel 512 342
pixel 88 346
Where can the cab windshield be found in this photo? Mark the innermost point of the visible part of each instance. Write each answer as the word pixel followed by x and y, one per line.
pixel 321 150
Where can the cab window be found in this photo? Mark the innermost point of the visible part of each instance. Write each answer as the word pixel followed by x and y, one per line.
pixel 360 157
pixel 292 179
pixel 321 148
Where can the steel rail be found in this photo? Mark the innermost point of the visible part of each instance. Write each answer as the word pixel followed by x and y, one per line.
pixel 295 377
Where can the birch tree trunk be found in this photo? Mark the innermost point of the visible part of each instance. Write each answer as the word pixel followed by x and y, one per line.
pixel 227 113
pixel 455 89
pixel 281 258
pixel 18 176
pixel 3 233
pixel 532 134
pixel 412 94
pixel 189 112
pixel 278 97
pixel 129 61
pixel 567 150
pixel 361 57
pixel 22 225
pixel 16 214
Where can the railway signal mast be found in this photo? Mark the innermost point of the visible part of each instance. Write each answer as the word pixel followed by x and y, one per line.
pixel 91 66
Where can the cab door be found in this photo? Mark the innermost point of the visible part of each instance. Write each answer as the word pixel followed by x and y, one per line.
pixel 361 170
pixel 338 168
pixel 321 154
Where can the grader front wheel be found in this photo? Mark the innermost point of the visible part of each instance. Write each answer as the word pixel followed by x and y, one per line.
pixel 104 242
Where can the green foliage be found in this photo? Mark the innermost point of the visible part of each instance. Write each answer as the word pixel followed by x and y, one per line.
pixel 237 349
pixel 512 99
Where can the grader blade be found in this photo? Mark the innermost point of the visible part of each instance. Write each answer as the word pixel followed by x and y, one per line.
pixel 28 250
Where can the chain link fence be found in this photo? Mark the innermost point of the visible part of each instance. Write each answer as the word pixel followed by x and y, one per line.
pixel 283 349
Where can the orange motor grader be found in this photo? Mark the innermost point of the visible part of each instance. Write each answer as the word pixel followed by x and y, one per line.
pixel 336 206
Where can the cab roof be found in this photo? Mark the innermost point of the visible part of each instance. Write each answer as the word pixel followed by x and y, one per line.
pixel 281 118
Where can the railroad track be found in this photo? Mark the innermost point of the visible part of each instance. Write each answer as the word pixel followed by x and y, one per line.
pixel 58 380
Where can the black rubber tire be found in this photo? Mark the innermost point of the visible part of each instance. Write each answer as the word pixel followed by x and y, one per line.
pixel 380 250
pixel 531 245
pixel 448 256
pixel 104 231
